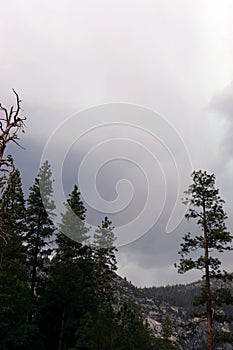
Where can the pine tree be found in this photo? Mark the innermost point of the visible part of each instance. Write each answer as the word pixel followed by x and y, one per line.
pixel 104 236
pixel 97 326
pixel 206 207
pixel 124 329
pixel 13 218
pixel 167 328
pixel 67 299
pixel 15 300
pixel 132 331
pixel 105 261
pixel 97 331
pixel 73 231
pixel 71 278
pixel 40 227
pixel 167 332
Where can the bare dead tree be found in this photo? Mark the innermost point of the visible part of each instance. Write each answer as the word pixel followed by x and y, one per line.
pixel 11 124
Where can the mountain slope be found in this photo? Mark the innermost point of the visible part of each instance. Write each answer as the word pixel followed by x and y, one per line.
pixel 175 302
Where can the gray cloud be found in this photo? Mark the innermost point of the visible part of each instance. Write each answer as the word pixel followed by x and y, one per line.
pixel 63 56
pixel 222 105
pixel 222 102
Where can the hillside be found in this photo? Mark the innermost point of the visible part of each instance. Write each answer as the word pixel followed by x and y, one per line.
pixel 176 302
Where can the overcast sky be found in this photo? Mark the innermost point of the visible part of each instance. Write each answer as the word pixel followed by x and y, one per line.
pixel 167 65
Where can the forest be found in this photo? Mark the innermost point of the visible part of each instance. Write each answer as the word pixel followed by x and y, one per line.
pixel 57 292
pixel 56 289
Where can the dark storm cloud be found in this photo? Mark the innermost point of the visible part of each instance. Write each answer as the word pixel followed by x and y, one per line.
pixel 62 56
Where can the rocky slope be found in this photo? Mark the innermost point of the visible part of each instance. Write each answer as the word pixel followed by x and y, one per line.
pixel 172 301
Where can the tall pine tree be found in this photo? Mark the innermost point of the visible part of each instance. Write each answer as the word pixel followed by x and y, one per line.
pixel 105 261
pixel 13 217
pixel 15 300
pixel 206 207
pixel 68 297
pixel 69 294
pixel 132 331
pixel 73 230
pixel 39 225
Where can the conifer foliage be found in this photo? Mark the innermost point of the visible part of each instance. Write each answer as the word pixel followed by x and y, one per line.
pixel 13 217
pixel 206 207
pixel 55 289
pixel 68 304
pixel 15 296
pixel 73 231
pixel 105 260
pixel 69 293
pixel 39 225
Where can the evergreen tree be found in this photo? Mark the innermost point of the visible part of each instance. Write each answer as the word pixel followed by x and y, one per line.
pixel 206 207
pixel 104 236
pixel 124 329
pixel 86 307
pixel 15 296
pixel 97 330
pixel 105 261
pixel 13 218
pixel 68 297
pixel 40 228
pixel 167 328
pixel 166 342
pixel 73 231
pixel 132 331
pixel 70 292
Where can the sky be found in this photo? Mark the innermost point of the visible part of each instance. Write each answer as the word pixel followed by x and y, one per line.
pixel 125 98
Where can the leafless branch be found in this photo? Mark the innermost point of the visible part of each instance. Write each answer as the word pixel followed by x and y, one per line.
pixel 11 124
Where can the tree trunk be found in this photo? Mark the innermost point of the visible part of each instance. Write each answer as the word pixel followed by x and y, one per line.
pixel 61 331
pixel 34 273
pixel 207 284
pixel 35 258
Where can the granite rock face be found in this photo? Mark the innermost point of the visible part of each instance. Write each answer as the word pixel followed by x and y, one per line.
pixel 175 302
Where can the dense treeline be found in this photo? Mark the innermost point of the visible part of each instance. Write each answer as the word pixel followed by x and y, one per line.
pixel 177 295
pixel 56 292
pixel 183 296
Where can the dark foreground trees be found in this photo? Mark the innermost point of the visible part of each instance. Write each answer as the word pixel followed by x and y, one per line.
pixel 39 226
pixel 69 303
pixel 77 305
pixel 55 290
pixel 15 296
pixel 212 238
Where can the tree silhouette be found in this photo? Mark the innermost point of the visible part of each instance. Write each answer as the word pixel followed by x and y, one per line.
pixel 206 207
